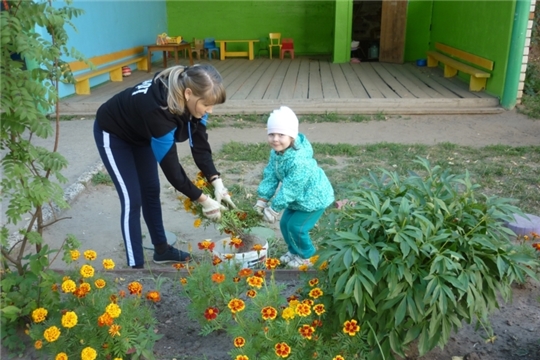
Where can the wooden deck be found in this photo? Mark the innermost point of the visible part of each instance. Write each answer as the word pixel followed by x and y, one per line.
pixel 317 86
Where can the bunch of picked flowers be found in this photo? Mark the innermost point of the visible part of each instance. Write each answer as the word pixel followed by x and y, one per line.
pixel 264 318
pixel 235 222
pixel 88 316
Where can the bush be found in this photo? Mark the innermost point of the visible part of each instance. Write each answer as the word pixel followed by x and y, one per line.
pixel 413 257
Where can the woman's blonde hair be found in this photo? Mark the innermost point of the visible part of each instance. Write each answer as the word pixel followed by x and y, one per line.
pixel 204 81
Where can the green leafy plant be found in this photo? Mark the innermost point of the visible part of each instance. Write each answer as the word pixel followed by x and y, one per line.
pixel 262 319
pixel 86 314
pixel 412 257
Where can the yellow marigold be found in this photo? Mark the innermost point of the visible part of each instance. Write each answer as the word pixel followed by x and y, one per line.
pixel 90 255
pixel 108 264
pixel 351 327
pixel 241 357
pixel 113 310
pixel 303 267
pixel 183 281
pixel 100 283
pixel 69 286
pixel 338 357
pixel 319 309
pixel 153 296
pixel 316 293
pixel 272 263
pixel 51 334
pixel 200 183
pixel 255 281
pixel 257 247
pixel 303 309
pixel 197 223
pixel 313 282
pixel 87 271
pixel 324 266
pixel 314 259
pixel 236 305
pixel 288 313
pixel 75 254
pixel 114 330
pixel 38 344
pixel 88 353
pixel 187 204
pixel 239 342
pixel 39 315
pixel 61 356
pixel 69 319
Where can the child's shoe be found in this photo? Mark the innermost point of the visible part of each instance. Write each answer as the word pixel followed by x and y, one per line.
pixel 172 255
pixel 297 261
pixel 285 258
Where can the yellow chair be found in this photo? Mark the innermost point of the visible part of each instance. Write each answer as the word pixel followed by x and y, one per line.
pixel 275 41
pixel 197 47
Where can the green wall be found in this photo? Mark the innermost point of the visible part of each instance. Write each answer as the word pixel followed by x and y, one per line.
pixel 481 27
pixel 309 23
pixel 417 32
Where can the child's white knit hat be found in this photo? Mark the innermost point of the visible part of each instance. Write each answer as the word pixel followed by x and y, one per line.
pixel 283 121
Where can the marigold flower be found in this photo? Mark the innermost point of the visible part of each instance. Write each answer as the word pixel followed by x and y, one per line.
pixel 211 313
pixel 260 273
pixel 122 293
pixel 114 330
pixel 61 356
pixel 113 298
pixel 251 293
pixel 313 282
pixel 257 247
pixel 316 323
pixel 236 242
pixel 255 281
pixel 241 357
pixel 313 259
pixel 236 279
pixel 308 302
pixel 183 281
pixel 272 263
pixel 351 327
pixel 288 313
pixel 197 223
pixel 535 235
pixel 69 286
pixel 282 349
pixel 338 357
pixel 316 293
pixel 536 246
pixel 100 283
pixel 178 266
pixel 54 287
pixel 239 342
pixel 88 353
pixel 153 296
pixel 306 331
pixel 218 278
pixel 69 319
pixel 303 267
pixel 105 320
pixel 87 271
pixel 216 260
pixel 39 315
pixel 245 272
pixel 90 255
pixel 86 287
pixel 319 309
pixel 113 310
pixel 292 298
pixel 268 312
pixel 135 287
pixel 74 254
pixel 51 334
pixel 228 256
pixel 187 204
pixel 108 264
pixel 236 305
pixel 324 266
pixel 38 344
pixel 303 309
pixel 200 183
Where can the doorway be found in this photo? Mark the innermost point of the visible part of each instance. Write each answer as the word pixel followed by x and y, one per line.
pixel 366 29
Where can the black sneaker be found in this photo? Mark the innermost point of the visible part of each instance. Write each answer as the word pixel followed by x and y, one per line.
pixel 172 255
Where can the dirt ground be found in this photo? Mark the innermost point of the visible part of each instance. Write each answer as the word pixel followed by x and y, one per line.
pixel 93 219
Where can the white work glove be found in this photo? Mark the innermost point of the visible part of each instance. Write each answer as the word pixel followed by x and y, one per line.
pixel 212 209
pixel 221 193
pixel 260 206
pixel 270 216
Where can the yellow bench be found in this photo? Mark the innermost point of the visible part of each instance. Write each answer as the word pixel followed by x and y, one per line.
pixel 459 60
pixel 116 60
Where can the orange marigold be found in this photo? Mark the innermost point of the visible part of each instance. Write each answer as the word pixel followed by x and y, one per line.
pixel 351 327
pixel 239 342
pixel 135 287
pixel 306 331
pixel 206 245
pixel 236 242
pixel 251 293
pixel 282 349
pixel 218 278
pixel 316 293
pixel 236 305
pixel 211 313
pixel 105 320
pixel 272 263
pixel 255 281
pixel 153 296
pixel 245 272
pixel 268 312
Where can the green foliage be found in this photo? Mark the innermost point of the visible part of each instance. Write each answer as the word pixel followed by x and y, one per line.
pixel 412 257
pixel 102 178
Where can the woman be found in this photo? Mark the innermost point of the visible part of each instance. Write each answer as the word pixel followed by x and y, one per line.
pixel 137 129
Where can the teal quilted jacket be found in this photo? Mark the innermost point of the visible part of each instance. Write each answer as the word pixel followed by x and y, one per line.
pixel 304 185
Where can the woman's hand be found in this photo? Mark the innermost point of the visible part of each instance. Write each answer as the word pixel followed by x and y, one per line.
pixel 221 193
pixel 211 208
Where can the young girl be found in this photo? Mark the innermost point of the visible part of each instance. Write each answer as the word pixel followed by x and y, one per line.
pixel 305 191
pixel 137 129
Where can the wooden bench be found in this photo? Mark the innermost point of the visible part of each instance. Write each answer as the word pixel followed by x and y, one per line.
pixel 109 63
pixel 458 60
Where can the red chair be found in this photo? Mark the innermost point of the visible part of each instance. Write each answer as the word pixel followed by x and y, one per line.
pixel 287 45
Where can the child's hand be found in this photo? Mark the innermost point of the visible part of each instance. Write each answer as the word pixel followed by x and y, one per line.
pixel 270 216
pixel 260 206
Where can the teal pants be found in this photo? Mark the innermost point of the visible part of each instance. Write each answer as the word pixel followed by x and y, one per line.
pixel 295 226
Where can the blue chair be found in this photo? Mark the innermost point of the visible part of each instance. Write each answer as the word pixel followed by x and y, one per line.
pixel 210 45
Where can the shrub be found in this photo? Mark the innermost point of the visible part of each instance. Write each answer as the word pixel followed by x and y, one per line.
pixel 413 257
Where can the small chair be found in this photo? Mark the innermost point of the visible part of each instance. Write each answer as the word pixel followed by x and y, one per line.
pixel 275 41
pixel 263 46
pixel 197 47
pixel 210 46
pixel 287 45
